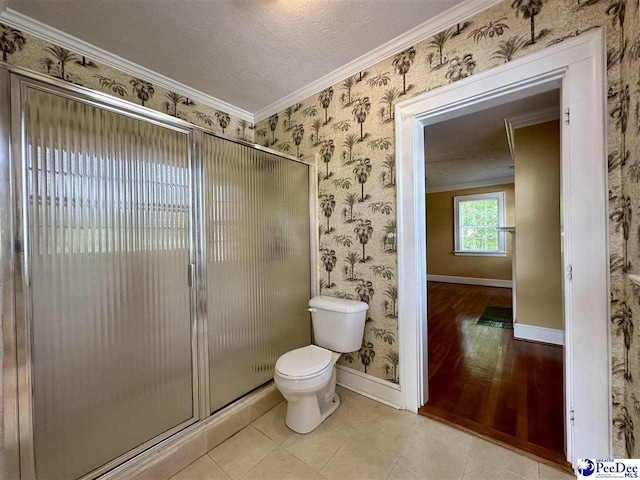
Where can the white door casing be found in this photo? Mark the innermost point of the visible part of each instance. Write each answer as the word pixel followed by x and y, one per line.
pixel 577 67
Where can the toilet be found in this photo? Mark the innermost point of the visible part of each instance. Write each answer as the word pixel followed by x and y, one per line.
pixel 306 376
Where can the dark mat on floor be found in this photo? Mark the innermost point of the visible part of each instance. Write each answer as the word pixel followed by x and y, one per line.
pixel 501 317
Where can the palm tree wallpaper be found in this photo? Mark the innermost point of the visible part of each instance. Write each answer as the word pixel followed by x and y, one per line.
pixel 61 57
pixel 361 109
pixel 529 9
pixel 402 63
pixel 28 51
pixel 356 133
pixel 11 40
pixel 326 153
pixel 363 113
pixel 144 90
pixel 325 98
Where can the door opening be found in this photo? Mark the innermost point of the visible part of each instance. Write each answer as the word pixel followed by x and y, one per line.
pixel 495 325
pixel 577 68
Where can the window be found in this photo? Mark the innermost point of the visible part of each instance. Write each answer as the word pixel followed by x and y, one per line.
pixel 477 218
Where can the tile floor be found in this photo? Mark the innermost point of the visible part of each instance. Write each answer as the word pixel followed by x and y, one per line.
pixel 363 439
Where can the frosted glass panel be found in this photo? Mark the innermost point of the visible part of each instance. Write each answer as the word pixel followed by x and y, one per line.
pixel 257 237
pixel 108 204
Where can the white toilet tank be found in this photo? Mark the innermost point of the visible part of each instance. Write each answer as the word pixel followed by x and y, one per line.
pixel 338 324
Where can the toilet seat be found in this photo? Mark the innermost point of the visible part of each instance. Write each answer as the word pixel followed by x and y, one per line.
pixel 305 362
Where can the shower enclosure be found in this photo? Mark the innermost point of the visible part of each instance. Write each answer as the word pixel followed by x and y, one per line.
pixel 158 272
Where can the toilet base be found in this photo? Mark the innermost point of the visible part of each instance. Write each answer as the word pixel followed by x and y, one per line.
pixel 329 407
pixel 309 401
pixel 306 413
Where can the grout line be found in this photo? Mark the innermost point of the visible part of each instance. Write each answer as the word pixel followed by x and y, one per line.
pixel 220 466
pixel 337 450
pixel 217 464
pixel 466 462
pixel 259 463
pixel 395 462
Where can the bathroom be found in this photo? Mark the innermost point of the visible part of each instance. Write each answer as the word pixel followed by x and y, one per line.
pixel 220 272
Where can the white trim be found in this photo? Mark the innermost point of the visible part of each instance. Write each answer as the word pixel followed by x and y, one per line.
pixel 538 334
pixel 491 182
pixel 459 13
pixel 62 39
pixel 527 119
pixel 314 241
pixel 369 386
pixel 534 117
pixel 485 282
pixel 500 197
pixel 463 253
pixel 577 66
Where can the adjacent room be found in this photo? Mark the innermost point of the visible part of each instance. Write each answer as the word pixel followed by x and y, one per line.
pixel 319 239
pixel 494 272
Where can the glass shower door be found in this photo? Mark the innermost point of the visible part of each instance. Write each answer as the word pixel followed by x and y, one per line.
pixel 256 224
pixel 107 202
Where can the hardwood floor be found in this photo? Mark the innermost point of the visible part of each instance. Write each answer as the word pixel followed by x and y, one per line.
pixel 483 380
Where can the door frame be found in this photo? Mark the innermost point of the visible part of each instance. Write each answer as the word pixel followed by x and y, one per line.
pixel 578 67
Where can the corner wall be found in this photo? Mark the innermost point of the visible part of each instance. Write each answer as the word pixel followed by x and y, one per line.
pixel 538 241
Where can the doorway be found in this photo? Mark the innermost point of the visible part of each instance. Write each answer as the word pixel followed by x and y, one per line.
pixel 495 324
pixel 587 401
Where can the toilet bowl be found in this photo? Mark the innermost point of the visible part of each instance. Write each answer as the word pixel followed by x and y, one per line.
pixel 306 376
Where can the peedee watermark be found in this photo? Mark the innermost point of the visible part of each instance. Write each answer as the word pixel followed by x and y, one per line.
pixel 607 468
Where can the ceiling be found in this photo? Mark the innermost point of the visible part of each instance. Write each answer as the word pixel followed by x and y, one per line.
pixel 474 148
pixel 248 53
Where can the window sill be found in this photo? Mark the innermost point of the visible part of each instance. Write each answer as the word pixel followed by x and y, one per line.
pixel 480 254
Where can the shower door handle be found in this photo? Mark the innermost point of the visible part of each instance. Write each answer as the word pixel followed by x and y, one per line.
pixel 190 274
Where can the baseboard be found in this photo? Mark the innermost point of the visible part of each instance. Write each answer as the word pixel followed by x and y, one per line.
pixel 370 386
pixel 486 282
pixel 538 334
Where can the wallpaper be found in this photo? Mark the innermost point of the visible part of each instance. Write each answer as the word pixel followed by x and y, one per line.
pixel 19 48
pixel 351 126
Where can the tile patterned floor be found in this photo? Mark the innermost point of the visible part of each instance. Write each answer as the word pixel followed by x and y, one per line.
pixel 365 440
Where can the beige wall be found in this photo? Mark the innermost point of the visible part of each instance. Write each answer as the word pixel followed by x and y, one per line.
pixel 440 238
pixel 538 257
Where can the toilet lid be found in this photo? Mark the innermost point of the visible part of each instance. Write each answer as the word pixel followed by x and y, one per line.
pixel 304 362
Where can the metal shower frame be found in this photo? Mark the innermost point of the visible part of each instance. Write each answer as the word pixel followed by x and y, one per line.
pixel 16 320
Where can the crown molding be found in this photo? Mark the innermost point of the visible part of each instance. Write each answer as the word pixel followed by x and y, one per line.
pixel 527 119
pixel 534 117
pixel 490 182
pixel 458 13
pixel 60 38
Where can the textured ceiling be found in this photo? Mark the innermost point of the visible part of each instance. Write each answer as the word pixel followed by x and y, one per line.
pixel 474 148
pixel 249 53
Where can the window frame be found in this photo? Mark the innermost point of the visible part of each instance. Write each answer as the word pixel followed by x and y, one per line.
pixel 502 247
